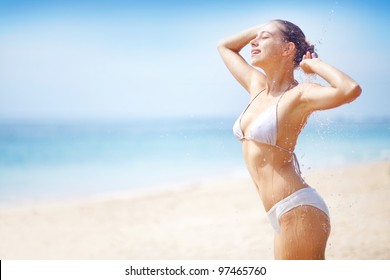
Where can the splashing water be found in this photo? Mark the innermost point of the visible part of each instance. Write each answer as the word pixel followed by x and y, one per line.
pixel 331 15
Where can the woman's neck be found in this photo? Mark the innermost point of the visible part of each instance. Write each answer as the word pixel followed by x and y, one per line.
pixel 279 81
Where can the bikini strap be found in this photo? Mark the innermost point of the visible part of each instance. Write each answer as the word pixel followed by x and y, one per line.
pixel 294 158
pixel 280 97
pixel 296 164
pixel 250 102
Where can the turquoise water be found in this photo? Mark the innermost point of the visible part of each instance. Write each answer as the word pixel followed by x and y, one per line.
pixel 54 160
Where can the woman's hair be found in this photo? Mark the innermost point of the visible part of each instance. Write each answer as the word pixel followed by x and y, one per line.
pixel 292 33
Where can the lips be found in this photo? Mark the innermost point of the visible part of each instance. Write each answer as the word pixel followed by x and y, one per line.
pixel 255 51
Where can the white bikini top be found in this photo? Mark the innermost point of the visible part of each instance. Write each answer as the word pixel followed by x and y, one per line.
pixel 264 128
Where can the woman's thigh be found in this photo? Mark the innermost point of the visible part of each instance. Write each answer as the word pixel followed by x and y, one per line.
pixel 304 232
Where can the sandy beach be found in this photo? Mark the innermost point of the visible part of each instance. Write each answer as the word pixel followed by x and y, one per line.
pixel 215 219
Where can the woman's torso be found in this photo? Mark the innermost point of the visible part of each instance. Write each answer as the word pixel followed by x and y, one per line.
pixel 269 128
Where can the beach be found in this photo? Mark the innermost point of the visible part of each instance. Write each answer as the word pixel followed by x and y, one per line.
pixel 219 218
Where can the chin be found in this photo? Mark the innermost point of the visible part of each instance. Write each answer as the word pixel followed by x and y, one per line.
pixel 256 63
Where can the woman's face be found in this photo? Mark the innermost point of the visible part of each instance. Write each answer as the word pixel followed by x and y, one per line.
pixel 267 47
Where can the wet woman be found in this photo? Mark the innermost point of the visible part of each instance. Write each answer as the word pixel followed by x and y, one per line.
pixel 269 127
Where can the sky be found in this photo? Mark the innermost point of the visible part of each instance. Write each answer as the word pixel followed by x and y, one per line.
pixel 129 59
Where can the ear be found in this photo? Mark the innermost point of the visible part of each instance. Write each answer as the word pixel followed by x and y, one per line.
pixel 288 49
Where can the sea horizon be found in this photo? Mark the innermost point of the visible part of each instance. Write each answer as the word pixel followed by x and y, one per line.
pixel 53 159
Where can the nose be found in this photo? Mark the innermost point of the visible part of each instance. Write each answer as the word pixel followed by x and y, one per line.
pixel 254 42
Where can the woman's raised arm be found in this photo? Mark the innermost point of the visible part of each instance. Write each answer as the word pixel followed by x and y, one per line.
pixel 342 88
pixel 250 78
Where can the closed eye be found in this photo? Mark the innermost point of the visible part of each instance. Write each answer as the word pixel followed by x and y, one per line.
pixel 265 35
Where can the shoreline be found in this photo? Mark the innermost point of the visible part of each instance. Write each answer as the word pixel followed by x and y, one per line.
pixel 220 218
pixel 155 189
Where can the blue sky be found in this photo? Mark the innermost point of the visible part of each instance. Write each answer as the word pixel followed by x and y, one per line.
pixel 124 59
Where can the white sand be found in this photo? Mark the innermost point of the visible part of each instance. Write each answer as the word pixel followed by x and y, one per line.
pixel 220 219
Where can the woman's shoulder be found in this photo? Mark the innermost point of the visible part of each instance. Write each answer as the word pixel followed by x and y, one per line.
pixel 296 97
pixel 301 99
pixel 302 87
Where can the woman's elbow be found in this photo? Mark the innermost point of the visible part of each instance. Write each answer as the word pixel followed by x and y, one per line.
pixel 226 44
pixel 353 92
pixel 356 90
pixel 221 44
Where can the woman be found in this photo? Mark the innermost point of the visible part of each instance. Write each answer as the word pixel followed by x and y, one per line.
pixel 270 125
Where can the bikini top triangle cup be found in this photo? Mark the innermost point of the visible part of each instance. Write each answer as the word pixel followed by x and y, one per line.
pixel 264 128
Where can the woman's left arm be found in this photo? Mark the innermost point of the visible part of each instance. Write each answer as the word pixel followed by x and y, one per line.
pixel 342 88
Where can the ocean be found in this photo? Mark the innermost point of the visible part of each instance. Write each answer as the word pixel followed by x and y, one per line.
pixel 50 160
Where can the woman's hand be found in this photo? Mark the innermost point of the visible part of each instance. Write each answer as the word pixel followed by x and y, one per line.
pixel 306 62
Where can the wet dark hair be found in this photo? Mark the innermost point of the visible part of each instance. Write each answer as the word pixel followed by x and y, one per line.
pixel 292 33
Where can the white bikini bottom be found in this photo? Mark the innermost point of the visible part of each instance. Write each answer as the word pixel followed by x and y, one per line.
pixel 305 196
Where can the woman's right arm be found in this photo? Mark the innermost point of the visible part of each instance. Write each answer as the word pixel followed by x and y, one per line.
pixel 342 89
pixel 250 78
